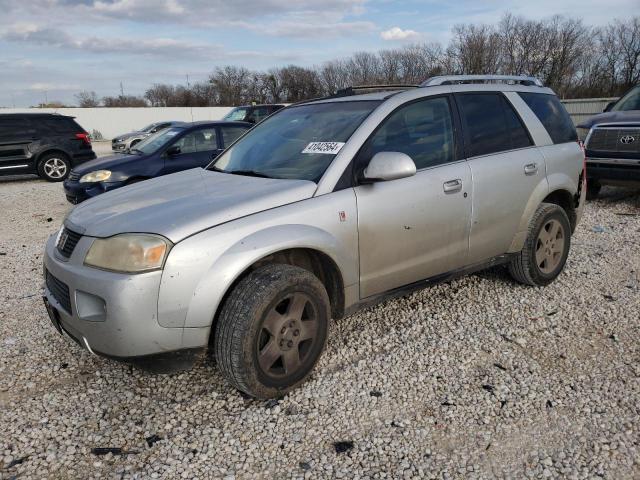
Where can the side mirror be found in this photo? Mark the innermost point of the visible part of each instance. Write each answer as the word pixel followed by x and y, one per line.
pixel 609 106
pixel 385 166
pixel 173 150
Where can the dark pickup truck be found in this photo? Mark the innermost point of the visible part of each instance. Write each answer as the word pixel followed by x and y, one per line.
pixel 612 143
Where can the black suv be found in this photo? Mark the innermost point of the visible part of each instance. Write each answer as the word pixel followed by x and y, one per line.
pixel 46 144
pixel 612 143
pixel 251 113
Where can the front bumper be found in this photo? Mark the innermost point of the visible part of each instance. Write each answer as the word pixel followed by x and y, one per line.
pixel 119 146
pixel 619 170
pixel 110 314
pixel 77 192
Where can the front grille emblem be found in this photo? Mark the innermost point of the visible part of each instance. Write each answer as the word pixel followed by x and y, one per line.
pixel 627 139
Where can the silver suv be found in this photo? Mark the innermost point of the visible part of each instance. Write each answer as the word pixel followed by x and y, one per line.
pixel 325 207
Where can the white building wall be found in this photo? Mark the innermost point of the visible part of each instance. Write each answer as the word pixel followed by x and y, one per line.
pixel 115 121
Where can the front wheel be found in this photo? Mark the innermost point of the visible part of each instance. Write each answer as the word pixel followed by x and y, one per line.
pixel 54 167
pixel 546 248
pixel 272 330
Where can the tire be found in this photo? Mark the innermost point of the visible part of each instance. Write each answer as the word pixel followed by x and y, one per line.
pixel 134 143
pixel 546 248
pixel 593 189
pixel 54 167
pixel 262 327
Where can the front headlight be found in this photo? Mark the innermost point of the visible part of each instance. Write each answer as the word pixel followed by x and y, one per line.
pixel 128 253
pixel 582 133
pixel 97 176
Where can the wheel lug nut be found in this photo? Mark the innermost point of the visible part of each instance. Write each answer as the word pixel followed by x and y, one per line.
pixel 284 329
pixel 296 333
pixel 289 343
pixel 282 343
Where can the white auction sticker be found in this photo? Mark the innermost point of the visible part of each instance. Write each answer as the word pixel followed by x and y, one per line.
pixel 330 148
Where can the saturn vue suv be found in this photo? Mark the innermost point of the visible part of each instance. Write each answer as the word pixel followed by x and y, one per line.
pixel 612 142
pixel 323 208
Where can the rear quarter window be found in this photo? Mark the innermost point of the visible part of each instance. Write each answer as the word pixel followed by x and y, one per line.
pixel 552 115
pixel 54 126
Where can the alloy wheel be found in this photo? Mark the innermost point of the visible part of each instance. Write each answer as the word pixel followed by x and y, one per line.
pixel 288 335
pixel 55 168
pixel 550 246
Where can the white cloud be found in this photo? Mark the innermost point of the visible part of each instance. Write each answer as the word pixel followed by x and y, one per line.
pixel 396 33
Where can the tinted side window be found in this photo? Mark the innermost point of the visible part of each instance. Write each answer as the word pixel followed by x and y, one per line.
pixel 56 126
pixel 230 134
pixel 552 115
pixel 258 114
pixel 519 135
pixel 203 140
pixel 423 130
pixel 485 124
pixel 15 128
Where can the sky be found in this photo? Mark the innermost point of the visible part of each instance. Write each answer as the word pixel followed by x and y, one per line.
pixel 52 49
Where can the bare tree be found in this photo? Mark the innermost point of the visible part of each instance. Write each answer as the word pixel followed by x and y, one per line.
pixel 124 101
pixel 87 99
pixel 475 49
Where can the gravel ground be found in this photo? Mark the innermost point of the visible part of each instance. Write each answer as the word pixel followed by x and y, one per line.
pixel 478 378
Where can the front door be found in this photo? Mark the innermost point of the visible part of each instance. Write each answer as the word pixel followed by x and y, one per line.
pixel 414 228
pixel 197 149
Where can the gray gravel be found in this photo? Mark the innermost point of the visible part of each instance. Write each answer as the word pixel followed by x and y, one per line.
pixel 479 378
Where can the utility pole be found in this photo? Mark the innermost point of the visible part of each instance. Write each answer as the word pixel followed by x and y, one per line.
pixel 46 98
pixel 121 90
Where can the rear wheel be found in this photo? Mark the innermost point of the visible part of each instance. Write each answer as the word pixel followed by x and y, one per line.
pixel 54 167
pixel 546 248
pixel 272 330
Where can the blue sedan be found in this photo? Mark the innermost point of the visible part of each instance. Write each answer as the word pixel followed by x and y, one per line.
pixel 180 147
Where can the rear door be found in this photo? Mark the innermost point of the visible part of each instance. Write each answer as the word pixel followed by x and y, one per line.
pixel 506 168
pixel 414 228
pixel 16 133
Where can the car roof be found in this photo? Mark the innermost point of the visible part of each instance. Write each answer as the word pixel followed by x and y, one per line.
pixel 214 123
pixel 261 105
pixel 35 115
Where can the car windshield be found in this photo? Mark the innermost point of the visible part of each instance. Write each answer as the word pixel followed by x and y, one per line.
pixel 155 141
pixel 148 128
pixel 297 142
pixel 237 113
pixel 631 101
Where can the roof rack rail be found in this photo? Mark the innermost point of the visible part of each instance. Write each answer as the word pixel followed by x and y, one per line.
pixel 360 89
pixel 461 79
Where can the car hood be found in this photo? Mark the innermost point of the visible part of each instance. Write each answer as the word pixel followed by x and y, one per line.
pixel 110 162
pixel 179 205
pixel 629 116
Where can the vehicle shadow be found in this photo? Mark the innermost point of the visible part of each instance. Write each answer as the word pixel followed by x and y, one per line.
pixel 19 178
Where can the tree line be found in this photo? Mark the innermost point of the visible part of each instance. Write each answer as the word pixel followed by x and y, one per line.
pixel 574 59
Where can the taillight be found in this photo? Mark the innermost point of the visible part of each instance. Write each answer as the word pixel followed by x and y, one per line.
pixel 84 136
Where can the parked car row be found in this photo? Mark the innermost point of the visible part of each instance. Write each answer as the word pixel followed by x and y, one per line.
pixel 323 208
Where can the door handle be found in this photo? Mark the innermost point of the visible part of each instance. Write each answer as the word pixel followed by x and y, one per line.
pixel 531 169
pixel 452 186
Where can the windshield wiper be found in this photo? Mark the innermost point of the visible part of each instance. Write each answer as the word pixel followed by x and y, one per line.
pixel 248 173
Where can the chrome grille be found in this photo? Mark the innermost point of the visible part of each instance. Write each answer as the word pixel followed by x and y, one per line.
pixel 67 242
pixel 59 290
pixel 622 140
